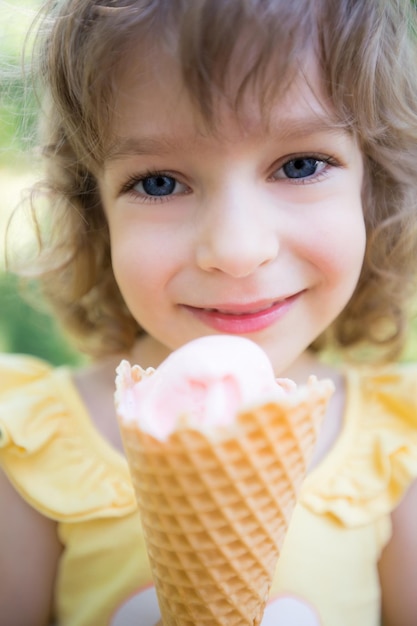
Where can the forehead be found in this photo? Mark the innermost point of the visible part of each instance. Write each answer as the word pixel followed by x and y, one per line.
pixel 153 100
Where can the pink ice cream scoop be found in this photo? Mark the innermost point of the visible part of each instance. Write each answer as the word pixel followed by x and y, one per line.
pixel 202 385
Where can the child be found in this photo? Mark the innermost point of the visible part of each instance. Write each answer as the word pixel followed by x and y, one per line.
pixel 248 168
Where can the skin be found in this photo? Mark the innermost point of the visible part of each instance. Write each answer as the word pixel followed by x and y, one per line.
pixel 29 556
pixel 398 565
pixel 237 246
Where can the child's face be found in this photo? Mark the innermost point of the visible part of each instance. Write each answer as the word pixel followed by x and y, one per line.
pixel 248 230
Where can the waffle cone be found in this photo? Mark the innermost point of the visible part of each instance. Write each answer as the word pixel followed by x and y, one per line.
pixel 215 513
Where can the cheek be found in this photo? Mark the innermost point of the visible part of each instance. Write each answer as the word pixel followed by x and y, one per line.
pixel 136 275
pixel 144 261
pixel 132 262
pixel 337 248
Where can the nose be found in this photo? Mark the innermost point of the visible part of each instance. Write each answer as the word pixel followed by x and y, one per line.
pixel 236 235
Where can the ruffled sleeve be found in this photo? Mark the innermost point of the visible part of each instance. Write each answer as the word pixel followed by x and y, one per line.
pixel 375 460
pixel 50 450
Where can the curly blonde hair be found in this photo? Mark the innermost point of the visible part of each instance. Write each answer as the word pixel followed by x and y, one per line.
pixel 367 55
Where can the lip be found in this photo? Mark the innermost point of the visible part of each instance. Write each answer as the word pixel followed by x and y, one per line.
pixel 238 319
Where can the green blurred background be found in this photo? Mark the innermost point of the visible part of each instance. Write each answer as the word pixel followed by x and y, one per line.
pixel 24 327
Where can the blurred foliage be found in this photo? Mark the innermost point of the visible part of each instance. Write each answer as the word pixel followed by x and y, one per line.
pixel 18 104
pixel 28 329
pixel 17 122
pixel 16 19
pixel 24 327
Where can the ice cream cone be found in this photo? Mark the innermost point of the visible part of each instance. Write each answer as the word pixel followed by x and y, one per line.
pixel 215 511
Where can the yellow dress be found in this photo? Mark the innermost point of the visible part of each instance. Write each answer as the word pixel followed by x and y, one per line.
pixel 327 573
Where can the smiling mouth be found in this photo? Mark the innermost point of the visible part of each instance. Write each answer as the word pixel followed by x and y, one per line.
pixel 244 313
pixel 244 319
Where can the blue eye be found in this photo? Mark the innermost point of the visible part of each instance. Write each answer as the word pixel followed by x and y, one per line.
pixel 158 185
pixel 302 167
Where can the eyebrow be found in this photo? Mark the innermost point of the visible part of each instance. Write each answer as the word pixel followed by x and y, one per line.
pixel 123 147
pixel 130 146
pixel 313 125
